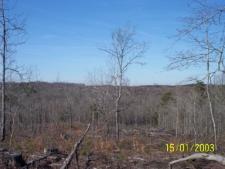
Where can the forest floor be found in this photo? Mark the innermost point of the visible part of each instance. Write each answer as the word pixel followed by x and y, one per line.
pixel 138 148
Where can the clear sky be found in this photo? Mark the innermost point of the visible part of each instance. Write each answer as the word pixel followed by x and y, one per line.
pixel 63 37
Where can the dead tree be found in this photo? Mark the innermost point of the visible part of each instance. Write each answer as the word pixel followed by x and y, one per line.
pixel 9 28
pixel 3 55
pixel 124 52
pixel 208 46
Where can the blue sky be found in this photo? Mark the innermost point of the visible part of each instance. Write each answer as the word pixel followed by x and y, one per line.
pixel 64 36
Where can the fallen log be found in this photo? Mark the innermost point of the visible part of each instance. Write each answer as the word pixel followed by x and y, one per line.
pixel 211 157
pixel 75 151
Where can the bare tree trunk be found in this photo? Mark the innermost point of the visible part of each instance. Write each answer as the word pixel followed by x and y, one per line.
pixel 212 115
pixel 93 122
pixel 3 72
pixel 117 111
pixel 194 121
pixel 177 119
pixel 71 119
pixel 13 128
pixel 208 93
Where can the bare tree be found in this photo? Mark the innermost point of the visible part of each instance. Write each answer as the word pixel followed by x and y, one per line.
pixel 205 29
pixel 124 51
pixel 9 28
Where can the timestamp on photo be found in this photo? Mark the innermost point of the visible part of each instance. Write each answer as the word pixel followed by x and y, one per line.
pixel 184 147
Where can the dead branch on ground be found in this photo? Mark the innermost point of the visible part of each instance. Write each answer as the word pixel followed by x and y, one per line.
pixel 75 151
pixel 211 157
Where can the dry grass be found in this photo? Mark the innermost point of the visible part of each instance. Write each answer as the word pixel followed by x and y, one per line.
pixel 133 145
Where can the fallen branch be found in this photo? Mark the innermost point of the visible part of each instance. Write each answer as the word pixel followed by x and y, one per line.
pixel 75 151
pixel 33 162
pixel 211 157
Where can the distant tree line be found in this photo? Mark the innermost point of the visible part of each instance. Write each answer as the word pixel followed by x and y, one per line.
pixel 34 106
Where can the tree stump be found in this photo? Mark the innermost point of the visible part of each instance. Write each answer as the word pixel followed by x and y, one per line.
pixel 16 160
